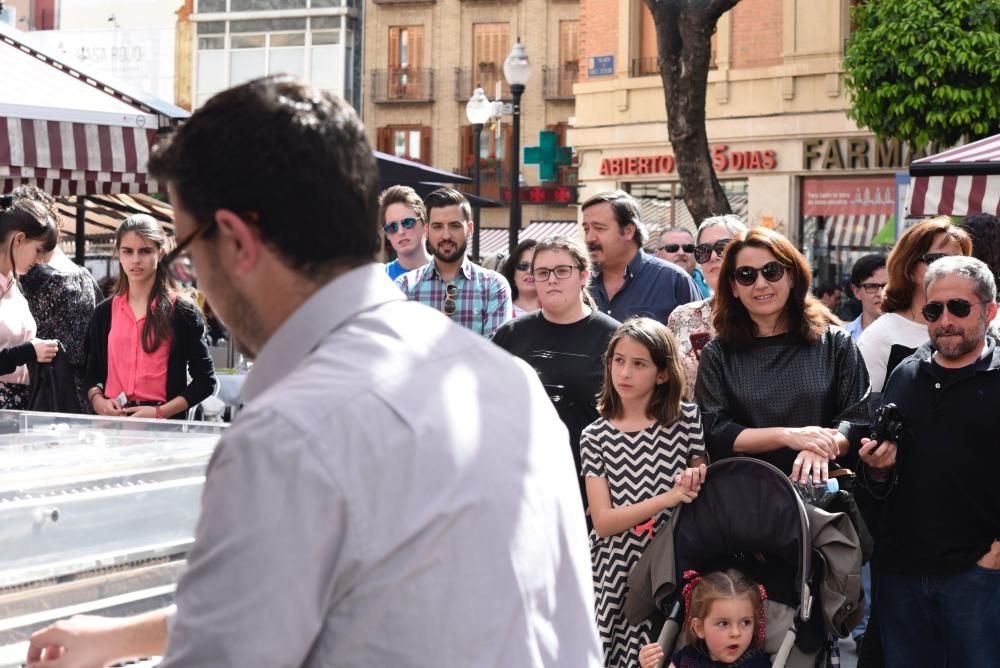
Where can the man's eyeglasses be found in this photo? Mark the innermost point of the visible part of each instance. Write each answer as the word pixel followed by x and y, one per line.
pixel 673 248
pixel 178 261
pixel 449 306
pixel 772 272
pixel 393 227
pixel 872 288
pixel 563 271
pixel 931 257
pixel 703 252
pixel 959 308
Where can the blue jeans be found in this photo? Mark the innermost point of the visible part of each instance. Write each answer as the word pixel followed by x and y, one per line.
pixel 866 583
pixel 938 621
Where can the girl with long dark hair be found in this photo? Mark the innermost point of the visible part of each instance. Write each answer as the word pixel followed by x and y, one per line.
pixel 146 340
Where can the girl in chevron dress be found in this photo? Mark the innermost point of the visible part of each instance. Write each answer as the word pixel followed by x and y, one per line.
pixel 643 457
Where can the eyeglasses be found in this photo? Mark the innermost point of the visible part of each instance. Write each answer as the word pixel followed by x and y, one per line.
pixel 872 288
pixel 703 252
pixel 931 257
pixel 523 266
pixel 178 261
pixel 959 308
pixel 673 248
pixel 772 272
pixel 393 227
pixel 450 292
pixel 561 272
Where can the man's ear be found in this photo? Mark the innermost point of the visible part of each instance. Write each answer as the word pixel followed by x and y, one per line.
pixel 239 241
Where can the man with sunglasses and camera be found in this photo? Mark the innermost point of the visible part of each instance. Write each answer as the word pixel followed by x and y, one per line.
pixel 677 246
pixel 401 214
pixel 938 565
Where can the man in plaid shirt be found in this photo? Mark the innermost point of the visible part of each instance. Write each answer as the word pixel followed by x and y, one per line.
pixel 472 296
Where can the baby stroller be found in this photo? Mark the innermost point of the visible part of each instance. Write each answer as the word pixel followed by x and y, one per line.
pixel 748 516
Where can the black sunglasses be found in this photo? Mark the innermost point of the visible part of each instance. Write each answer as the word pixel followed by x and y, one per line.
pixel 703 252
pixel 673 248
pixel 931 257
pixel 449 306
pixel 523 266
pixel 393 227
pixel 772 272
pixel 959 308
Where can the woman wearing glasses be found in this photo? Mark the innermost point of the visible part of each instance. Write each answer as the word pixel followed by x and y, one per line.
pixel 146 340
pixel 691 324
pixel 902 328
pixel 780 381
pixel 566 339
pixel 517 271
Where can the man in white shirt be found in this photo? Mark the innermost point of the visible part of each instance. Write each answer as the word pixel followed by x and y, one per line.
pixel 390 495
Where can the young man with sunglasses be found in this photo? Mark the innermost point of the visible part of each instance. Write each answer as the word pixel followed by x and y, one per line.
pixel 472 296
pixel 401 214
pixel 677 246
pixel 377 502
pixel 938 565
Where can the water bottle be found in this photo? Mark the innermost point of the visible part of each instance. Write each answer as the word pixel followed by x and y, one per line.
pixel 816 492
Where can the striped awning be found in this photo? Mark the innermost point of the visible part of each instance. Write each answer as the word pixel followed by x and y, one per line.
pixel 71 132
pixel 957 182
pixel 493 240
pixel 853 231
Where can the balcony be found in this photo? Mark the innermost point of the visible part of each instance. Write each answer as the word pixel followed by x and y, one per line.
pixel 645 67
pixel 486 75
pixel 400 85
pixel 557 82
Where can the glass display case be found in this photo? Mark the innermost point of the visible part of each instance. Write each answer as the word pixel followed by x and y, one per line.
pixel 96 516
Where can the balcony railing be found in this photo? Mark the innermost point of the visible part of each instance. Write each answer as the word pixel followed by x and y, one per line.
pixel 557 82
pixel 645 67
pixel 405 84
pixel 467 78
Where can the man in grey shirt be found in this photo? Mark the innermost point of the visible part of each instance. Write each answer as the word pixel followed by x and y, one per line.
pixel 390 496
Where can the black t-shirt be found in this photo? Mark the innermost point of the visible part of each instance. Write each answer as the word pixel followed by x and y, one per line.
pixel 568 360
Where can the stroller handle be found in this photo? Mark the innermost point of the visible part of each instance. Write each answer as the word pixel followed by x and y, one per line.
pixel 671 629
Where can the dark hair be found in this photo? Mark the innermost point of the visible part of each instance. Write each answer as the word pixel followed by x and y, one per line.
pixel 400 195
pixel 295 156
pixel 36 194
pixel 865 267
pixel 157 327
pixel 826 289
pixel 984 228
pixel 805 316
pixel 21 214
pixel 576 250
pixel 626 211
pixel 913 244
pixel 442 197
pixel 665 404
pixel 511 264
pixel 722 585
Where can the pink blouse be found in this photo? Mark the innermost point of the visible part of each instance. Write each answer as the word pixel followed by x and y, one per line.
pixel 16 326
pixel 140 375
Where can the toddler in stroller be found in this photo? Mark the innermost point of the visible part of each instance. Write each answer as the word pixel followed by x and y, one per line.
pixel 748 517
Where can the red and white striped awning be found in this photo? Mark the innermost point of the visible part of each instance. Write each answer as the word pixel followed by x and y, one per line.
pixel 494 239
pixel 70 132
pixel 853 231
pixel 958 182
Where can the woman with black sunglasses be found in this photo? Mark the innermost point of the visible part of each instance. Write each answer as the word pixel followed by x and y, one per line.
pixel 781 381
pixel 691 324
pixel 144 342
pixel 517 271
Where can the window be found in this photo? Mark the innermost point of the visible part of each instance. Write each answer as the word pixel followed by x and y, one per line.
pixel 410 142
pixel 569 55
pixel 490 46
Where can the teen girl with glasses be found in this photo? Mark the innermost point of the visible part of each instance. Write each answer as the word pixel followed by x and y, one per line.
pixel 146 340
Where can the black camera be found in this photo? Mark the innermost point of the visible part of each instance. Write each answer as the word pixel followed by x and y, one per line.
pixel 888 424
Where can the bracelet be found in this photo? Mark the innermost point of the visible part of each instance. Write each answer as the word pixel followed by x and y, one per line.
pixel 159 413
pixel 93 392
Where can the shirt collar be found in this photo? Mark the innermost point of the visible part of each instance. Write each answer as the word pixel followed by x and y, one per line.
pixel 465 269
pixel 988 361
pixel 636 264
pixel 330 307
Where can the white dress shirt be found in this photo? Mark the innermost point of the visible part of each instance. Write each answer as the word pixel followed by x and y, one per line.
pixel 397 492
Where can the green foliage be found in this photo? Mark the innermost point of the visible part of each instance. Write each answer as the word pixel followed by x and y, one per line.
pixel 925 70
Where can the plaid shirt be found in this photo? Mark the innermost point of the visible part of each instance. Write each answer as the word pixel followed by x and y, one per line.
pixel 483 302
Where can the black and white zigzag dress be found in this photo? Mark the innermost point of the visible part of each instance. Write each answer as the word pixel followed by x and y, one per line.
pixel 637 466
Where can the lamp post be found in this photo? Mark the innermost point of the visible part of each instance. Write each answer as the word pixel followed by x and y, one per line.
pixel 517 71
pixel 478 110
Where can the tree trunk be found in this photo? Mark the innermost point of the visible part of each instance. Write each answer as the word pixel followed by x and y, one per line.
pixel 684 41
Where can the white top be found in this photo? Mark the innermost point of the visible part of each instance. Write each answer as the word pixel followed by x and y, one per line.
pixel 391 496
pixel 878 338
pixel 17 326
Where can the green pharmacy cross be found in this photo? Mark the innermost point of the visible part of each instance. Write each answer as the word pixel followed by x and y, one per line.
pixel 547 155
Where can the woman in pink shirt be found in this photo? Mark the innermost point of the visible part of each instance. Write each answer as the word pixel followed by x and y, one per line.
pixel 25 227
pixel 146 340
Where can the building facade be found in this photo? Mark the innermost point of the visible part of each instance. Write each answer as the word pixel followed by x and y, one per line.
pixel 782 144
pixel 424 58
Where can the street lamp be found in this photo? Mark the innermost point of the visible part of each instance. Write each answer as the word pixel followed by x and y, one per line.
pixel 478 110
pixel 517 71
